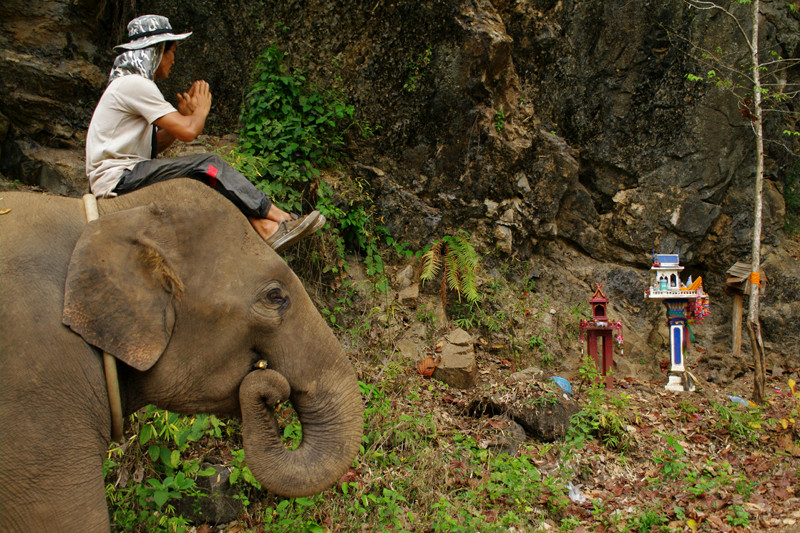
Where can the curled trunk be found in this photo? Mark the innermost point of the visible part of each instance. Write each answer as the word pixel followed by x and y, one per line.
pixel 331 414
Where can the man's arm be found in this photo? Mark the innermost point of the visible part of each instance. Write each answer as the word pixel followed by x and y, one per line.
pixel 164 139
pixel 186 106
pixel 186 127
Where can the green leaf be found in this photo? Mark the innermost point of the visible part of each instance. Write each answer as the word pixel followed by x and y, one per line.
pixel 160 497
pixel 168 457
pixel 153 451
pixel 145 434
pixel 182 436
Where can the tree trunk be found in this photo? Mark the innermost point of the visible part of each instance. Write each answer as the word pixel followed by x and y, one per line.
pixel 754 327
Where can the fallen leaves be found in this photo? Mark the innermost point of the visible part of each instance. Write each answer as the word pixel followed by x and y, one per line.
pixel 785 443
pixel 725 482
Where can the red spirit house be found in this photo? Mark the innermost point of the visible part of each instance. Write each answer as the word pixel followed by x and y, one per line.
pixel 600 330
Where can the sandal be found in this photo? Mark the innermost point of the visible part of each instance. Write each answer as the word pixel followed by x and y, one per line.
pixel 291 231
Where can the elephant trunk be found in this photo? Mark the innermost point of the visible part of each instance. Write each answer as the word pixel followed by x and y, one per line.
pixel 331 414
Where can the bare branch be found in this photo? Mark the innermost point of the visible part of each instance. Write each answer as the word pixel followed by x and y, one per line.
pixel 782 145
pixel 707 6
pixel 791 62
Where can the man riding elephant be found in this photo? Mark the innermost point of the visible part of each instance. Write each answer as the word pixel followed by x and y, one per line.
pixel 133 123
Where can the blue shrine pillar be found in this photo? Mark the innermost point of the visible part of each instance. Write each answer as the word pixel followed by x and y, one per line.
pixel 683 302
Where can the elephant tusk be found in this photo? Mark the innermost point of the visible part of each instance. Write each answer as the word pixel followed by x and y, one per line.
pixel 260 364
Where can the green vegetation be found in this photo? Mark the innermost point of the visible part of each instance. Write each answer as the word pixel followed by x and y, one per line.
pixel 426 466
pixel 602 416
pixel 670 458
pixel 293 128
pixel 499 119
pixel 741 423
pixel 426 463
pixel 416 70
pixel 156 469
pixel 455 257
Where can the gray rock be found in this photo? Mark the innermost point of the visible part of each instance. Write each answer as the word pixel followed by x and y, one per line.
pixel 504 238
pixel 545 415
pixel 604 149
pixel 547 422
pixel 512 437
pixel 60 171
pixel 527 375
pixel 404 277
pixel 409 293
pixel 459 337
pixel 218 505
pixel 457 367
pixel 412 344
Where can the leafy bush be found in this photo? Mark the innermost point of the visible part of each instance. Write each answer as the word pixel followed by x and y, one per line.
pixel 291 126
pixel 143 479
pixel 742 423
pixel 291 130
pixel 671 458
pixel 601 416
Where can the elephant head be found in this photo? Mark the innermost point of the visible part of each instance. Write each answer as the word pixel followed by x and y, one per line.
pixel 174 283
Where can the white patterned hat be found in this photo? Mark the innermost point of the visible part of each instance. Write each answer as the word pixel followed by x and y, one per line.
pixel 148 30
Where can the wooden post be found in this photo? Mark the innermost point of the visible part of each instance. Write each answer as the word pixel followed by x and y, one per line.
pixel 592 342
pixel 736 319
pixel 608 358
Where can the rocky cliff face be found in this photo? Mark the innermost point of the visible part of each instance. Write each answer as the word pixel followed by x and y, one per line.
pixel 556 131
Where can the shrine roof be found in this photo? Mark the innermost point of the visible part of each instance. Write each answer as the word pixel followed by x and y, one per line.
pixel 738 275
pixel 599 295
pixel 668 260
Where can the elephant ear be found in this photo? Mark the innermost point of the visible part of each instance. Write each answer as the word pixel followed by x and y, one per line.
pixel 121 288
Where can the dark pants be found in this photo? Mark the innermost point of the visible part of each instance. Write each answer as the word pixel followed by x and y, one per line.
pixel 211 169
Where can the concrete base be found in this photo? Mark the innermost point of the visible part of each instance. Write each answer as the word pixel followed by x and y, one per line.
pixel 678 383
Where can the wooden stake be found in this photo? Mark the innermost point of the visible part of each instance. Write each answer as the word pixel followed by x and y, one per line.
pixel 738 300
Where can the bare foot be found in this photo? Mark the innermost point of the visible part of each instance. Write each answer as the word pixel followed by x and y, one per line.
pixel 277 214
pixel 263 226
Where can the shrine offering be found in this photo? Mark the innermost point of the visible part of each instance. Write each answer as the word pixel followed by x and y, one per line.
pixel 686 304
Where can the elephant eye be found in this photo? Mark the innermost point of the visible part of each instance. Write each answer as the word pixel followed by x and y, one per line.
pixel 275 296
pixel 271 302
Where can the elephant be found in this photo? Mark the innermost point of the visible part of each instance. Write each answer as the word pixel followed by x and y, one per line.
pixel 200 315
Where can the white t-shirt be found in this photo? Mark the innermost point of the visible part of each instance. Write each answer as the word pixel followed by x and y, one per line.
pixel 121 132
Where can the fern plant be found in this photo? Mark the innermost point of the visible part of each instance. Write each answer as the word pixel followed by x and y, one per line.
pixel 458 261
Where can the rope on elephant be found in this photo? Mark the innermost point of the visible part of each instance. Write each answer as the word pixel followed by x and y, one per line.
pixel 109 363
